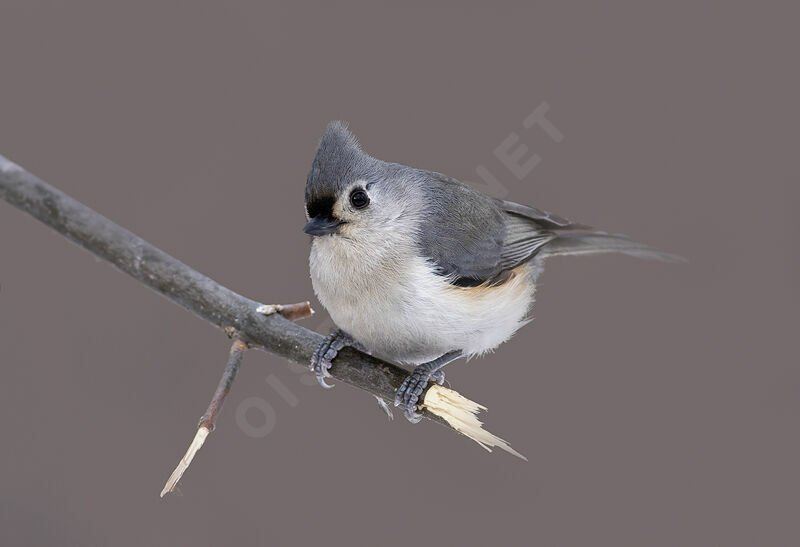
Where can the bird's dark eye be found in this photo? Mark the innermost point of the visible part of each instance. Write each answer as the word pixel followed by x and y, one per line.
pixel 359 199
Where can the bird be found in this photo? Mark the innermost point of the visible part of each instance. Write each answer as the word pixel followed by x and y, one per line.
pixel 418 268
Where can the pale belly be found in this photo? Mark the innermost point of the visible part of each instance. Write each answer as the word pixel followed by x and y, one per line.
pixel 409 314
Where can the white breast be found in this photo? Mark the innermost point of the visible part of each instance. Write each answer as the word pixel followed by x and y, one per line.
pixel 391 301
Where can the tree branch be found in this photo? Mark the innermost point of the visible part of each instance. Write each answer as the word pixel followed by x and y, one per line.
pixel 197 292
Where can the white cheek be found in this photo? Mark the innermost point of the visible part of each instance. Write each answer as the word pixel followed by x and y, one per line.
pixel 342 208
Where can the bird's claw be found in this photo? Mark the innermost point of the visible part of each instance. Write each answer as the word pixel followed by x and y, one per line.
pixel 410 390
pixel 325 353
pixel 321 361
pixel 415 384
pixel 321 378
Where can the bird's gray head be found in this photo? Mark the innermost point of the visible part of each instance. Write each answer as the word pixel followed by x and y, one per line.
pixel 350 193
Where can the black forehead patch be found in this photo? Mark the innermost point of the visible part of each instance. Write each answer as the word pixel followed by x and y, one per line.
pixel 321 206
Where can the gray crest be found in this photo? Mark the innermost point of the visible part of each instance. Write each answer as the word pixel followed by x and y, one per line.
pixel 339 160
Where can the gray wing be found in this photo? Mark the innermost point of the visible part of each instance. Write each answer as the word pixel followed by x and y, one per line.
pixel 572 238
pixel 474 239
pixel 542 218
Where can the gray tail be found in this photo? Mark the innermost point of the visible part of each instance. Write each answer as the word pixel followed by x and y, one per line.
pixel 583 242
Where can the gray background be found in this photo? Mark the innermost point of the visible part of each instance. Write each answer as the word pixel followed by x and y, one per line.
pixel 658 403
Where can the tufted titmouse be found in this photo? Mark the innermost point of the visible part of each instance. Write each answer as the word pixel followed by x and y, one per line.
pixel 417 267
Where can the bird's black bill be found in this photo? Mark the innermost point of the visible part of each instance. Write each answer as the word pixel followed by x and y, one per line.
pixel 319 226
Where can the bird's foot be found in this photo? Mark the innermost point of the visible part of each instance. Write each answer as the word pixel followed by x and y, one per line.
pixel 414 385
pixel 437 377
pixel 326 352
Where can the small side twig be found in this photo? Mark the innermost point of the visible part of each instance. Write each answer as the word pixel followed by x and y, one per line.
pixel 292 312
pixel 207 424
pixel 209 419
